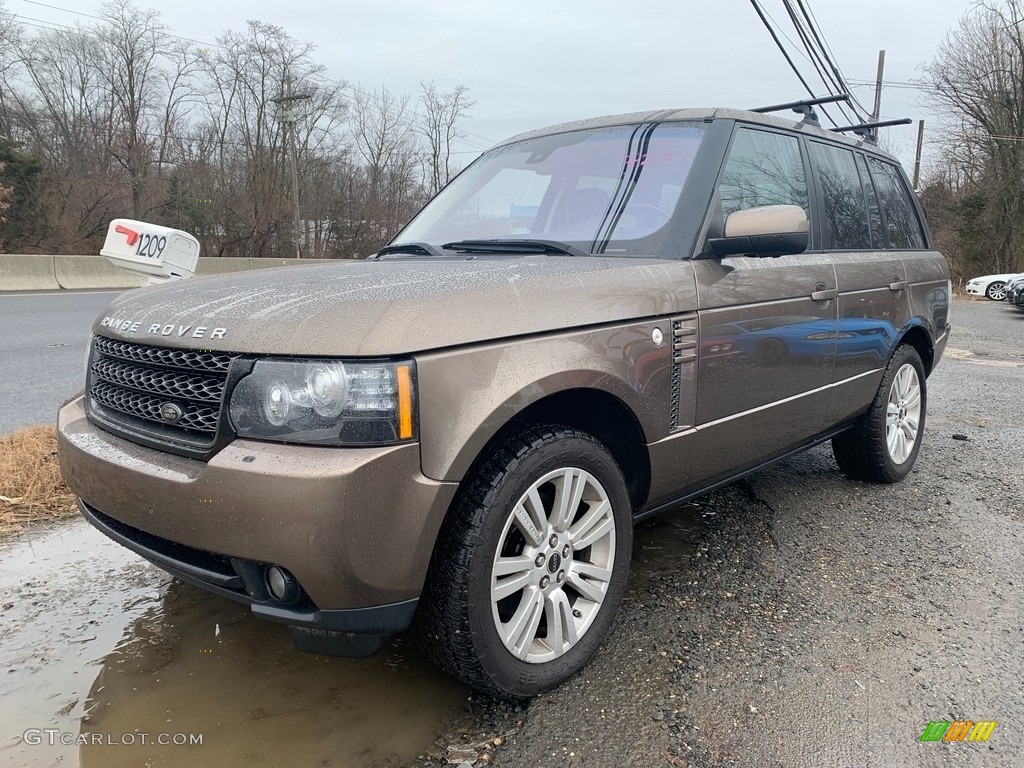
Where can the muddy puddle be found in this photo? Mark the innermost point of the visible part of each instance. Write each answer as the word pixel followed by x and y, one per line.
pixel 106 661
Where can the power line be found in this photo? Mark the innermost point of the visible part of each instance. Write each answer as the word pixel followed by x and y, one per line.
pixel 902 84
pixel 789 59
pixel 832 85
pixel 101 18
pixel 826 50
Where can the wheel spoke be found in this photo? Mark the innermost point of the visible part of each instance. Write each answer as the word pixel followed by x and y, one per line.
pixel 589 590
pixel 901 447
pixel 583 529
pixel 592 572
pixel 506 566
pixel 522 627
pixel 530 518
pixel 567 499
pixel 902 382
pixel 914 399
pixel 505 587
pixel 562 633
pixel 910 429
pixel 892 440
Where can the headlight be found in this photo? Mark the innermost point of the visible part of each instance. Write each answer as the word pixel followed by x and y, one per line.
pixel 326 402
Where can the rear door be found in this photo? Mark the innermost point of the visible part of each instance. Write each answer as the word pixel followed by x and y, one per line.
pixel 927 270
pixel 873 288
pixel 767 325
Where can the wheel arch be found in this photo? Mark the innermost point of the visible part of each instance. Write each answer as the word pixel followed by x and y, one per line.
pixel 605 417
pixel 920 339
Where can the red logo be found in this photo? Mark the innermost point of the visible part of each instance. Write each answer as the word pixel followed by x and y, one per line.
pixel 129 234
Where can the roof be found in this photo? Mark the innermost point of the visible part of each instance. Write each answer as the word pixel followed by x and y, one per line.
pixel 698 114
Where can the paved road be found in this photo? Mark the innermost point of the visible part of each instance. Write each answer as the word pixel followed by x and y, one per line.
pixel 43 338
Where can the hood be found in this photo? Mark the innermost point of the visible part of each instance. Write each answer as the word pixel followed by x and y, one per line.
pixel 394 307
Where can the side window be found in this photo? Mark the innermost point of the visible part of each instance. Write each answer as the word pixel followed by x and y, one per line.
pixel 763 169
pixel 845 220
pixel 874 212
pixel 901 222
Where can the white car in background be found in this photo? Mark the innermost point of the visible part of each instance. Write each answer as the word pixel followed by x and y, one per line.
pixel 990 286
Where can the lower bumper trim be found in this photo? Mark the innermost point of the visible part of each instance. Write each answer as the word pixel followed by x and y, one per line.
pixel 219 574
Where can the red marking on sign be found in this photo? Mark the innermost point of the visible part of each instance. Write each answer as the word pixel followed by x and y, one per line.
pixel 129 234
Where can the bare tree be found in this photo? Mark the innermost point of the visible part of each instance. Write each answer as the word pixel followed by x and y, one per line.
pixel 977 78
pixel 385 140
pixel 439 126
pixel 120 117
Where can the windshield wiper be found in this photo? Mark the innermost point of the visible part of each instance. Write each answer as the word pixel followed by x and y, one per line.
pixel 410 249
pixel 514 245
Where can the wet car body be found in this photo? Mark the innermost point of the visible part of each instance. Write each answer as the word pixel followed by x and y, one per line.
pixel 611 331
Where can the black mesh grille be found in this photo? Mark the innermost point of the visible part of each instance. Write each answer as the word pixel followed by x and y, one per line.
pixel 156 394
pixel 197 360
pixel 207 389
pixel 200 418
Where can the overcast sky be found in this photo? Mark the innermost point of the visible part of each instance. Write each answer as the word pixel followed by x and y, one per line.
pixel 531 63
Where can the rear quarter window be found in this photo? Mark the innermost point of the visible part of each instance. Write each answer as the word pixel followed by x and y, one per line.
pixel 902 225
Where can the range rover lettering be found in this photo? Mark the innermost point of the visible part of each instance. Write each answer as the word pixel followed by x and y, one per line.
pixel 589 325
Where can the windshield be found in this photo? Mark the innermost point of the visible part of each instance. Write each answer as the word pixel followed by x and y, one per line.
pixel 602 190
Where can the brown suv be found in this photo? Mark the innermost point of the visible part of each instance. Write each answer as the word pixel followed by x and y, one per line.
pixel 591 324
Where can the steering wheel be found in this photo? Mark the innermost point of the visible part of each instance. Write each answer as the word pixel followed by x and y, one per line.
pixel 651 215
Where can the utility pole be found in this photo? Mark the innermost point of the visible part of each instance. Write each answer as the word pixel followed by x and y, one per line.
pixel 876 115
pixel 288 115
pixel 917 160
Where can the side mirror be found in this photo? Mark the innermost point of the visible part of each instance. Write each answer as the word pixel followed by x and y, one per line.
pixel 771 230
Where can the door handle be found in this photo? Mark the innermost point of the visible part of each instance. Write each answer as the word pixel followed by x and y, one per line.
pixel 900 285
pixel 825 295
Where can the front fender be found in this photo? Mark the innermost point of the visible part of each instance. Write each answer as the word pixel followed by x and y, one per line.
pixel 466 395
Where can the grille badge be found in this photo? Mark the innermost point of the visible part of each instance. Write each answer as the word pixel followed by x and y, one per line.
pixel 171 413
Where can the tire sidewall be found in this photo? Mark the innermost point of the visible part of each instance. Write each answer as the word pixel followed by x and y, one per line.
pixel 516 677
pixel 904 355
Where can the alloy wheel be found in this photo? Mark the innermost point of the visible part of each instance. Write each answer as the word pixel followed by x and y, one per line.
pixel 903 414
pixel 553 566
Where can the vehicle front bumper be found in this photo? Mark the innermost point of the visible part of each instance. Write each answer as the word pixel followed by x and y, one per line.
pixel 975 290
pixel 356 527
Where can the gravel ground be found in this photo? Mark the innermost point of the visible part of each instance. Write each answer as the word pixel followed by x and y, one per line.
pixel 798 618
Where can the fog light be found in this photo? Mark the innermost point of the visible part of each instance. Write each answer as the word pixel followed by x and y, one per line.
pixel 281 585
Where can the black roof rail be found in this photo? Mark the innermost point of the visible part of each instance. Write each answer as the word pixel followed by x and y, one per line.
pixel 805 107
pixel 869 131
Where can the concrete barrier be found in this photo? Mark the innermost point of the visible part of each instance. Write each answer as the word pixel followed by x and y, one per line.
pixel 263 263
pixel 220 266
pixel 20 272
pixel 92 272
pixel 31 272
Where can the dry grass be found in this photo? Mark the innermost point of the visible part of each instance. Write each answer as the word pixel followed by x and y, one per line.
pixel 31 487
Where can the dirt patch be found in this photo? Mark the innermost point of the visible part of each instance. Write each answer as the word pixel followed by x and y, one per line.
pixel 31 486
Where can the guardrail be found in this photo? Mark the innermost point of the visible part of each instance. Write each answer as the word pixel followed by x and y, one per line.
pixel 31 272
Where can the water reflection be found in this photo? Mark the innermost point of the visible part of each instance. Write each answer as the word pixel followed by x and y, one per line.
pixel 198 664
pixel 781 339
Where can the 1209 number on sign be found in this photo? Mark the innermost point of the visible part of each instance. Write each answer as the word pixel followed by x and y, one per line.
pixel 150 246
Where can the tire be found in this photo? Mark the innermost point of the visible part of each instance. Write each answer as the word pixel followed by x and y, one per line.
pixel 486 572
pixel 865 452
pixel 996 291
